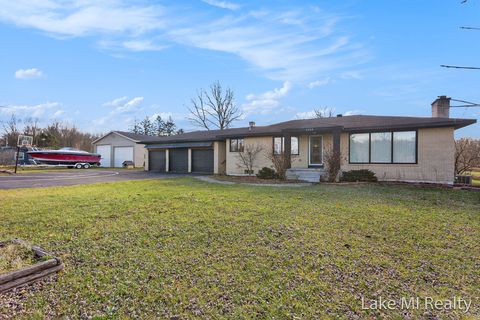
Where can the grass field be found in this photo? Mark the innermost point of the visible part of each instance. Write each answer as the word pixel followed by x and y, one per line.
pixel 181 248
pixel 476 177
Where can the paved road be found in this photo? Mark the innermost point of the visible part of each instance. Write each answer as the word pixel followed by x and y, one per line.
pixel 74 177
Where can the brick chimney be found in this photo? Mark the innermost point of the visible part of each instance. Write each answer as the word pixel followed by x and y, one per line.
pixel 251 125
pixel 441 107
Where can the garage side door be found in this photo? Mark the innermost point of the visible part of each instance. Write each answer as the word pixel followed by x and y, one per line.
pixel 178 160
pixel 202 160
pixel 105 153
pixel 121 154
pixel 156 160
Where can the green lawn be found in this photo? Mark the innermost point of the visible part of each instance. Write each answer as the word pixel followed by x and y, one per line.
pixel 183 248
pixel 476 177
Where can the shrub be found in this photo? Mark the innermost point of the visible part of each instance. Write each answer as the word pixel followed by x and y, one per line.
pixel 332 160
pixel 280 163
pixel 363 175
pixel 266 173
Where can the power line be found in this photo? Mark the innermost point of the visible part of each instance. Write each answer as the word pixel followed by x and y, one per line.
pixel 467 104
pixel 459 67
pixel 470 28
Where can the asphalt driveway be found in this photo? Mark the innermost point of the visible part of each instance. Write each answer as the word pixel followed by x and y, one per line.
pixel 75 177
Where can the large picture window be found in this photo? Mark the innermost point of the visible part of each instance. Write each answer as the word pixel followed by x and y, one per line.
pixel 359 147
pixel 279 145
pixel 404 146
pixel 383 147
pixel 237 145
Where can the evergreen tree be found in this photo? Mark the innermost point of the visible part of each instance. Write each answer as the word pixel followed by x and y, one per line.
pixel 135 128
pixel 146 127
pixel 170 127
pixel 159 125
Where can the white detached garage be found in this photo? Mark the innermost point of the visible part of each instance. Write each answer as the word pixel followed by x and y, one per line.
pixel 119 146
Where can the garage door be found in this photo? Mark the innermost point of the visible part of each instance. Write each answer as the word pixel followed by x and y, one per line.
pixel 202 160
pixel 178 160
pixel 105 152
pixel 121 154
pixel 156 160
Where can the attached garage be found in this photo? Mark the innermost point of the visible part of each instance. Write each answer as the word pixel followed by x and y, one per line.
pixel 121 154
pixel 105 153
pixel 180 157
pixel 202 160
pixel 178 160
pixel 157 160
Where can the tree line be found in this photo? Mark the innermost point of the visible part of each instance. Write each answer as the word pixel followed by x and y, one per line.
pixel 54 135
pixel 156 127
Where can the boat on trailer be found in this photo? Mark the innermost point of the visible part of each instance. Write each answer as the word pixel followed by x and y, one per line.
pixel 69 157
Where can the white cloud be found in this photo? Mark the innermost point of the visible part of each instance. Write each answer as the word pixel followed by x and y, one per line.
pixel 142 45
pixel 352 112
pixel 48 110
pixel 300 44
pixel 116 102
pixel 80 18
pixel 58 113
pixel 31 73
pixel 223 4
pixel 357 75
pixel 124 104
pixel 318 83
pixel 293 45
pixel 305 115
pixel 121 106
pixel 266 102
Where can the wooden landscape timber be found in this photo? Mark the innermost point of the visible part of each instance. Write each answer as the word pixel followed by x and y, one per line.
pixel 32 273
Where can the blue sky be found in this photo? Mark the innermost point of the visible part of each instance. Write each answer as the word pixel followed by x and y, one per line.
pixel 100 64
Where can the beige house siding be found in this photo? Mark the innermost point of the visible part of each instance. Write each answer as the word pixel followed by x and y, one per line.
pixel 116 140
pixel 436 151
pixel 219 157
pixel 234 164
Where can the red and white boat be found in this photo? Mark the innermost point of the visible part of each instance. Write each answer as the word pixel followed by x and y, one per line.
pixel 66 156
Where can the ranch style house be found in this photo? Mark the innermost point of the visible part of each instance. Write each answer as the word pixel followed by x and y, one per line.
pixel 395 148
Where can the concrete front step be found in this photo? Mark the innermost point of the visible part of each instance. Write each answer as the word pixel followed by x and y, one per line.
pixel 305 174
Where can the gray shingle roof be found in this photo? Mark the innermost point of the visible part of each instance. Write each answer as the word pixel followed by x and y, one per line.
pixel 345 123
pixel 135 136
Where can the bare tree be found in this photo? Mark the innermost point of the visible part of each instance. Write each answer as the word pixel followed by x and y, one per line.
pixel 467 155
pixel 214 109
pixel 11 130
pixel 332 161
pixel 281 163
pixel 31 128
pixel 325 112
pixel 249 156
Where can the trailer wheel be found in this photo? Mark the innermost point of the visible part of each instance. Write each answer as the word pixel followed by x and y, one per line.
pixel 78 166
pixel 86 166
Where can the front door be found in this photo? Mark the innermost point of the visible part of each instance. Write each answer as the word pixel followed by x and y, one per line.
pixel 316 154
